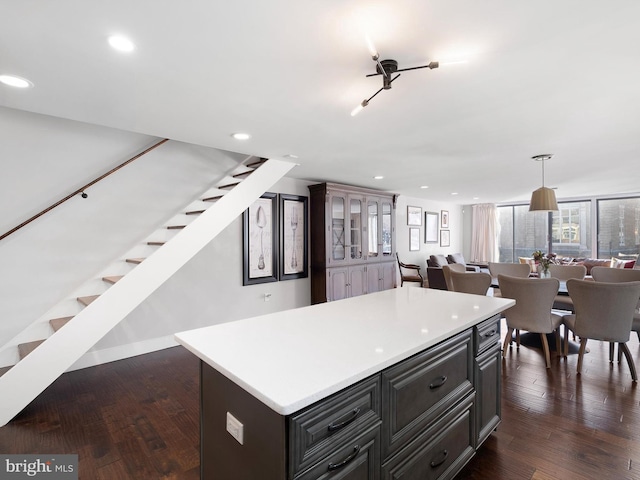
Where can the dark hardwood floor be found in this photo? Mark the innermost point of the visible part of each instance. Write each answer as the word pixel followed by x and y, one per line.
pixel 139 419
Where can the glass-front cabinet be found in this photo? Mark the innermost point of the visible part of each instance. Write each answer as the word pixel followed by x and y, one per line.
pixel 346 241
pixel 350 227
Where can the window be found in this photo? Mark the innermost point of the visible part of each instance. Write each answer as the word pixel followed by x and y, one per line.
pixel 618 227
pixel 571 228
pixel 521 232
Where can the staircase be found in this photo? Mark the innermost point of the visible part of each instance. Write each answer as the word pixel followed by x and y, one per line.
pixel 43 360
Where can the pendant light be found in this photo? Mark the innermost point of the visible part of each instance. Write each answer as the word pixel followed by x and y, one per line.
pixel 543 199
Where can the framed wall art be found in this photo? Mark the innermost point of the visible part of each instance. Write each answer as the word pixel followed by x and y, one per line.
pixel 414 216
pixel 294 240
pixel 414 239
pixel 445 238
pixel 444 218
pixel 430 227
pixel 260 241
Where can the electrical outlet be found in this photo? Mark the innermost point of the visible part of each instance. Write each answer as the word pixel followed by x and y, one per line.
pixel 235 428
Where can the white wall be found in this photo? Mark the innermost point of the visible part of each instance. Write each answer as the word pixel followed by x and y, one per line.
pixel 419 257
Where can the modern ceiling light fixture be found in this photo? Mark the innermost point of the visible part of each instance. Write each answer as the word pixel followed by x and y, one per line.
pixel 543 199
pixel 386 68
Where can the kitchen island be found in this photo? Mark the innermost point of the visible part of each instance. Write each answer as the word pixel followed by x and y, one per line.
pixel 402 383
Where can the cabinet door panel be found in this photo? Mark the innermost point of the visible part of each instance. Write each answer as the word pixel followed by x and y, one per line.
pixel 374 274
pixel 388 275
pixel 488 383
pixel 338 280
pixel 356 228
pixel 338 233
pixel 357 281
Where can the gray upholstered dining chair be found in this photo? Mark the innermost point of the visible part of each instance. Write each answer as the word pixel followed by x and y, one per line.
pixel 564 273
pixel 519 270
pixel 447 269
pixel 476 283
pixel 532 311
pixel 617 275
pixel 604 311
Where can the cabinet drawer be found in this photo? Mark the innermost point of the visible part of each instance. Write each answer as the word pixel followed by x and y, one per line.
pixel 314 432
pixel 356 460
pixel 486 334
pixel 420 389
pixel 438 453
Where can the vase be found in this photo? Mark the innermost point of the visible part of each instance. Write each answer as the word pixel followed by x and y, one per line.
pixel 543 272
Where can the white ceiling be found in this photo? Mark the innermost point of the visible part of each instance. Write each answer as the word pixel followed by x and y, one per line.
pixel 548 76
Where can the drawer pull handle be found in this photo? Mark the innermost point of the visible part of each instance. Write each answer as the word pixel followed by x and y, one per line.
pixel 437 463
pixel 336 466
pixel 490 334
pixel 337 426
pixel 440 382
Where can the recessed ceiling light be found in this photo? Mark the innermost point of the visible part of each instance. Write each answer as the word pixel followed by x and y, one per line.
pixel 290 155
pixel 241 136
pixel 378 177
pixel 14 81
pixel 424 186
pixel 122 44
pixel 476 198
pixel 454 193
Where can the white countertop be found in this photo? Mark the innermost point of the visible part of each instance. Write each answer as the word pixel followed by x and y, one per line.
pixel 291 359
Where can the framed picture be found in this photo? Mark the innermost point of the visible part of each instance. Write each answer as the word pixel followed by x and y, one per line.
pixel 430 227
pixel 414 216
pixel 444 218
pixel 445 238
pixel 294 221
pixel 260 241
pixel 414 239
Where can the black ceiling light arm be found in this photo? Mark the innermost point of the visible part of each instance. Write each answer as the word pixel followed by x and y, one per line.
pixel 387 68
pixel 430 66
pixel 371 97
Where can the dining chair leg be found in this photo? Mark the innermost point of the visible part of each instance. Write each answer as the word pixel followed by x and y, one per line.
pixel 545 348
pixel 583 346
pixel 518 338
pixel 507 342
pixel 566 341
pixel 558 343
pixel 632 365
pixel 612 347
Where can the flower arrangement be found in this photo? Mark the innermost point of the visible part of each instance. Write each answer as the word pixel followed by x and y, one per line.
pixel 544 260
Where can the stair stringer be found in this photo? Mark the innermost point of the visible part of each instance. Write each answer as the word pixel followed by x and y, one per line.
pixel 34 373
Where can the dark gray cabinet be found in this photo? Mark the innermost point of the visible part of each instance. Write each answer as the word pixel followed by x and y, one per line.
pixel 487 365
pixel 422 418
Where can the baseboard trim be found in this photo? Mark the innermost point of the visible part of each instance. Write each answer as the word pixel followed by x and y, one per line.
pixel 98 357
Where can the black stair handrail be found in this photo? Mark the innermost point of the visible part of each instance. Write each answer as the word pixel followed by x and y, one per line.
pixel 83 188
